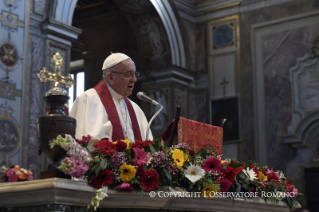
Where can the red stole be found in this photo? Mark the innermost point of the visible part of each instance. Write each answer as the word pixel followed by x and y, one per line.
pixel 107 101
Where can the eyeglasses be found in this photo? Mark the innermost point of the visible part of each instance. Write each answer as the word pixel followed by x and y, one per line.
pixel 129 74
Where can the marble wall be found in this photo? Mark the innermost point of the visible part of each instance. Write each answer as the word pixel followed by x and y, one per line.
pixel 14 32
pixel 279 52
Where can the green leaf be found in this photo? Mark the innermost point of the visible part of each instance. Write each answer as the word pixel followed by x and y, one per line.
pixel 168 175
pixel 246 187
pixel 95 166
pixel 224 166
pixel 248 163
pixel 98 169
pixel 242 175
pixel 238 188
pixel 166 150
pixel 152 148
pixel 235 165
pixel 104 164
pixel 162 143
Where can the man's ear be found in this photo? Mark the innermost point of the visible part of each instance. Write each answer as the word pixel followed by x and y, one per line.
pixel 109 78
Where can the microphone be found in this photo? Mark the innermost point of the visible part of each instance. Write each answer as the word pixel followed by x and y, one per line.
pixel 142 96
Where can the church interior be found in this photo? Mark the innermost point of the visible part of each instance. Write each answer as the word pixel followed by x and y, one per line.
pixel 254 63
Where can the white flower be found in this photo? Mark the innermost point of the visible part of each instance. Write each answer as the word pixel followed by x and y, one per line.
pixel 281 174
pixel 194 173
pixel 102 192
pixel 24 170
pixel 250 174
pixel 68 137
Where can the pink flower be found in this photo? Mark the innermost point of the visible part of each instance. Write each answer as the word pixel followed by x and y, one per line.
pixel 12 178
pixel 140 157
pixel 126 187
pixel 84 140
pixel 29 176
pixel 212 165
pixel 291 188
pixel 11 172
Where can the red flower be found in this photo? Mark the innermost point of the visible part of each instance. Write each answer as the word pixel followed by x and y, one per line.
pixel 103 179
pixel 140 144
pixel 150 180
pixel 84 140
pixel 121 146
pixel 274 177
pixel 191 152
pixel 224 185
pixel 139 170
pixel 252 188
pixel 212 165
pixel 238 169
pixel 228 174
pixel 267 171
pixel 105 146
pixel 252 166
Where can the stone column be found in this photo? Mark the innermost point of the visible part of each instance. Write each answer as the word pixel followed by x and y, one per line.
pixel 169 86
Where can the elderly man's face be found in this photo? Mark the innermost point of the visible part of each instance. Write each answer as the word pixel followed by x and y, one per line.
pixel 120 82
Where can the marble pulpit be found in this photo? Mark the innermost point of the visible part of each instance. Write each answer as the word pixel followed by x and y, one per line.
pixel 57 194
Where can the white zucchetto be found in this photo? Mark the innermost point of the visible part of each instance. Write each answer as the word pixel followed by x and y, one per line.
pixel 114 59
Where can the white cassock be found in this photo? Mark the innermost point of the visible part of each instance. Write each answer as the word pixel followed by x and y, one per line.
pixel 92 119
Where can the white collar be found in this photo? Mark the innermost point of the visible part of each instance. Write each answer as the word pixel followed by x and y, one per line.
pixel 114 94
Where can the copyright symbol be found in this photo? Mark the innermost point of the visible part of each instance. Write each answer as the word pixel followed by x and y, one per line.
pixel 152 194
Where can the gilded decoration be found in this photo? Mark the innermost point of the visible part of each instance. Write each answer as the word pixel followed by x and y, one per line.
pixel 10 20
pixel 8 90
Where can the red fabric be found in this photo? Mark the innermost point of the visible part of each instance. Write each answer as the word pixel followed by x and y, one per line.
pixel 197 134
pixel 136 128
pixel 107 101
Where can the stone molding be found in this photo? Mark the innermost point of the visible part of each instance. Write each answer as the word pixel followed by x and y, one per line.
pixel 59 29
pixel 78 193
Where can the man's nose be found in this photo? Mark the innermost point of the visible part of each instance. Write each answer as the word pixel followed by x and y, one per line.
pixel 134 78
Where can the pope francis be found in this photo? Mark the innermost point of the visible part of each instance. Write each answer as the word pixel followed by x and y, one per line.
pixel 105 111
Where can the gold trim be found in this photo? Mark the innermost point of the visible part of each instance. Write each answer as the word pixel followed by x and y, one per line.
pixel 78 8
pixel 237 45
pixel 222 7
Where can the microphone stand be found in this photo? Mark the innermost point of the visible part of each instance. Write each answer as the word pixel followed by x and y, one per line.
pixel 149 124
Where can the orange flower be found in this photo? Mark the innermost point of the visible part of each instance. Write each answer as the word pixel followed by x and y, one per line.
pixel 5 171
pixel 22 176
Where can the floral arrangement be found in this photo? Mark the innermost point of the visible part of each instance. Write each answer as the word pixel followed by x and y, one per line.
pixel 149 166
pixel 15 173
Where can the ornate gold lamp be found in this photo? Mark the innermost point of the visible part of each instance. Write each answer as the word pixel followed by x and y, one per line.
pixel 55 122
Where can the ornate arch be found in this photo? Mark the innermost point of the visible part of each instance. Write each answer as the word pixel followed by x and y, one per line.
pixel 62 11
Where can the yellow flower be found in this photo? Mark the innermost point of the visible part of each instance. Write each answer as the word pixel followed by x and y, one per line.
pixel 262 177
pixel 128 142
pixel 209 191
pixel 127 172
pixel 179 158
